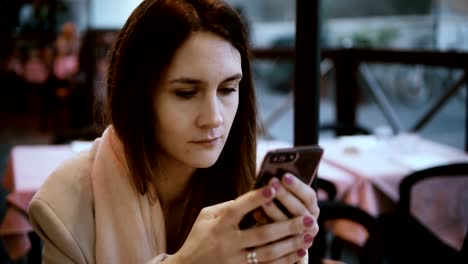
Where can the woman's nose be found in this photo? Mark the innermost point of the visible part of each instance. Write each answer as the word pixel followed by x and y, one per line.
pixel 210 115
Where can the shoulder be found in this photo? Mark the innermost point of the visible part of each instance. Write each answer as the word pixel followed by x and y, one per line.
pixel 69 181
pixel 62 211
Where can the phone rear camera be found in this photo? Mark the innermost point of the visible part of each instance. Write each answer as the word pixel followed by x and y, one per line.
pixel 291 156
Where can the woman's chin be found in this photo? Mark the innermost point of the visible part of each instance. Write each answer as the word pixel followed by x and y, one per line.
pixel 204 161
pixel 204 164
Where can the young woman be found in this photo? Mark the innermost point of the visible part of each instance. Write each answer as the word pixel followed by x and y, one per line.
pixel 170 179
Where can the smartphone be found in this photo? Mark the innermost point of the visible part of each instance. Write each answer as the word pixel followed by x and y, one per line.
pixel 301 161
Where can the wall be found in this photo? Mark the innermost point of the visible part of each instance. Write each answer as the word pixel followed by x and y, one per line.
pixel 110 13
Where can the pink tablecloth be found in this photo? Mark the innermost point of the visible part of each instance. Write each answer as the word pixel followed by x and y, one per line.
pixel 378 166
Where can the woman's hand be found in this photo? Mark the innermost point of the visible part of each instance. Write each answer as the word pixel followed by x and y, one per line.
pixel 296 196
pixel 216 237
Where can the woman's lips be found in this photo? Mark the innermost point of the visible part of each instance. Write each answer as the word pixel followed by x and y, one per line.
pixel 207 142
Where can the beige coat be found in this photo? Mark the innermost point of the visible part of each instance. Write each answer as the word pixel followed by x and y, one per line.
pixel 88 211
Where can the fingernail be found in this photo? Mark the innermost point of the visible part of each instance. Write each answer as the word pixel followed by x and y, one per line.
pixel 301 253
pixel 267 192
pixel 288 179
pixel 308 221
pixel 308 238
pixel 269 203
pixel 276 184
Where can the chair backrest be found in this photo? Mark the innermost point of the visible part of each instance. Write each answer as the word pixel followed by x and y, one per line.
pixel 444 172
pixel 464 250
pixel 432 215
pixel 369 252
pixel 437 198
pixel 331 210
pixel 328 187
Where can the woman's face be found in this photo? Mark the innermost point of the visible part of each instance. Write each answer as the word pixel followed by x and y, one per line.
pixel 197 100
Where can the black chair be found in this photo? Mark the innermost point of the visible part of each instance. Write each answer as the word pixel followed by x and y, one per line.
pixel 405 238
pixel 370 252
pixel 327 186
pixel 464 250
pixel 329 246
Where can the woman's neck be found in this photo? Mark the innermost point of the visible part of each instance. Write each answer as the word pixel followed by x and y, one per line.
pixel 171 182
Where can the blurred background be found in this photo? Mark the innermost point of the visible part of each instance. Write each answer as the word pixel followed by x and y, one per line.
pixel 53 60
pixel 395 25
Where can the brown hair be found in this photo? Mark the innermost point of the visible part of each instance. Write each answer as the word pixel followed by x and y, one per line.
pixel 143 50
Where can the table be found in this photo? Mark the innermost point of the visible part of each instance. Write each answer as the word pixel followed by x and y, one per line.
pixel 362 168
pixel 379 165
pixel 27 168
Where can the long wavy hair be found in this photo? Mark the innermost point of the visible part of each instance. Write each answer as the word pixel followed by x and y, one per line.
pixel 141 54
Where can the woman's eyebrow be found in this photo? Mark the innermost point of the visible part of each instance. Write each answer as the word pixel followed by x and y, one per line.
pixel 233 78
pixel 188 80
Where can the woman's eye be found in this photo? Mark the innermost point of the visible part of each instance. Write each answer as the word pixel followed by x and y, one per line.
pixel 226 90
pixel 185 94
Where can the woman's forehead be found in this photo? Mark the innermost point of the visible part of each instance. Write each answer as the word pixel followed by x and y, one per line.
pixel 205 54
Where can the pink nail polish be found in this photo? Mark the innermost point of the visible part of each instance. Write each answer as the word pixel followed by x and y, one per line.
pixel 308 238
pixel 267 192
pixel 308 221
pixel 276 184
pixel 288 179
pixel 301 253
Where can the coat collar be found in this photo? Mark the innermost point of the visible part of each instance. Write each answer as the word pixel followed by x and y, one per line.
pixel 129 229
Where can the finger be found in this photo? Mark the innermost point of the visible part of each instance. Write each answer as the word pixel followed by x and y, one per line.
pixel 265 234
pixel 284 247
pixel 274 213
pixel 247 202
pixel 270 208
pixel 293 205
pixel 302 191
pixel 290 258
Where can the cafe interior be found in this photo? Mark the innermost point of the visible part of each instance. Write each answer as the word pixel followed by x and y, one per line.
pixel 381 86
